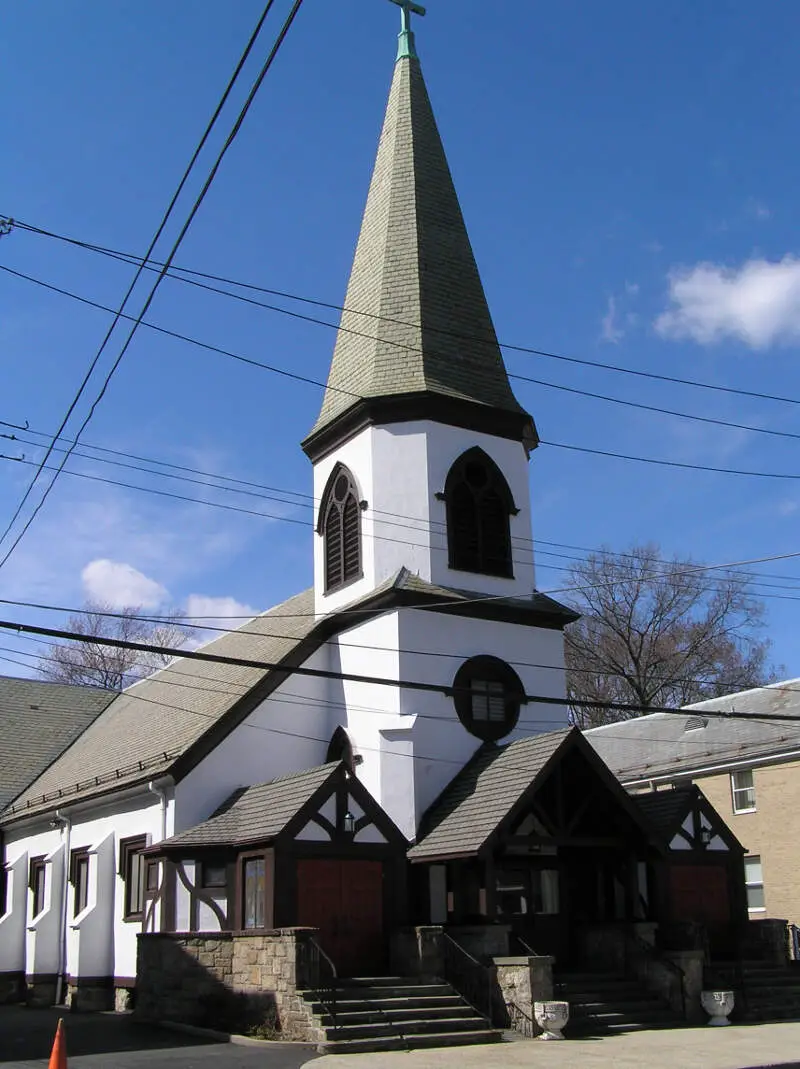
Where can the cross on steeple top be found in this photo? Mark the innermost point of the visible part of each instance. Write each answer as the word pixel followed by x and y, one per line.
pixel 406 46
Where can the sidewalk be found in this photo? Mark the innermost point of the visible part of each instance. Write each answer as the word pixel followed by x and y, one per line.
pixel 737 1047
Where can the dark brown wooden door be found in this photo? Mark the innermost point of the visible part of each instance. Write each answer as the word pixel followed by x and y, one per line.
pixel 344 899
pixel 700 893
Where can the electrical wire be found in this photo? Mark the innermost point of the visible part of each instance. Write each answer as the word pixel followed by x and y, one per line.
pixel 315 382
pixel 162 272
pixel 173 273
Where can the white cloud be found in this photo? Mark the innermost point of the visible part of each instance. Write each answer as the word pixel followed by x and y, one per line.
pixel 121 585
pixel 609 329
pixel 758 209
pixel 758 303
pixel 218 612
pixel 632 289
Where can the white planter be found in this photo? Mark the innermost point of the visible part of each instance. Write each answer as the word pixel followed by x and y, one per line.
pixel 717 1004
pixel 551 1018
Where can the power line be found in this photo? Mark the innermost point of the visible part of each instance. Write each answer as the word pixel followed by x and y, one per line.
pixel 347 645
pixel 142 263
pixel 353 677
pixel 315 382
pixel 435 526
pixel 173 251
pixel 129 257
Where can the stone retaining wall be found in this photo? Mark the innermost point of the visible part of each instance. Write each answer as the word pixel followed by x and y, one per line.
pixel 227 980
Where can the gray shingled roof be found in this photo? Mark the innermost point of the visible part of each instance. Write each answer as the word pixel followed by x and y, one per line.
pixel 38 721
pixel 255 814
pixel 414 289
pixel 663 744
pixel 482 794
pixel 153 722
pixel 150 726
pixel 665 809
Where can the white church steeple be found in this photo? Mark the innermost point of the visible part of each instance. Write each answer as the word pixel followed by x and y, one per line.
pixel 420 449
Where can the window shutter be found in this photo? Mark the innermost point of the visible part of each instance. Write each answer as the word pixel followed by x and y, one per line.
pixel 479 505
pixel 351 538
pixel 340 526
pixel 334 550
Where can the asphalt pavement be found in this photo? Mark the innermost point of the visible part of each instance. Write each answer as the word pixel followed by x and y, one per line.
pixel 115 1041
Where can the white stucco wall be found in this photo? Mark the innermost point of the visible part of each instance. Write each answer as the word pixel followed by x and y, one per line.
pixel 399 470
pixel 412 742
pixel 287 732
pixel 99 941
pixel 13 923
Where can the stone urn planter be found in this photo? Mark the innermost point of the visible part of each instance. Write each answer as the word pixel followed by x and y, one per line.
pixel 717 1004
pixel 551 1018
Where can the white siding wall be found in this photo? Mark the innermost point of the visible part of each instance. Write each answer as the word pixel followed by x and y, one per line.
pixel 399 470
pixel 411 741
pixel 99 941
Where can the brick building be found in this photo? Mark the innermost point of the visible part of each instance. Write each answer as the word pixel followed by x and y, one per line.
pixel 749 769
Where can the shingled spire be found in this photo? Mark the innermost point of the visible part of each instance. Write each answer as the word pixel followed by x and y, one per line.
pixel 416 340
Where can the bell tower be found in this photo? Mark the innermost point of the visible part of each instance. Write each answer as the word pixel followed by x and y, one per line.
pixel 420 450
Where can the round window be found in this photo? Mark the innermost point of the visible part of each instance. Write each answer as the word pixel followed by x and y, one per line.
pixel 488 695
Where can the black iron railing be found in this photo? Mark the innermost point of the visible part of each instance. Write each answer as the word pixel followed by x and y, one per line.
pixel 321 976
pixel 635 947
pixel 468 976
pixel 520 1021
pixel 793 933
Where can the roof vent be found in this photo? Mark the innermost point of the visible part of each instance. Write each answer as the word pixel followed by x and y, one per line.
pixel 695 723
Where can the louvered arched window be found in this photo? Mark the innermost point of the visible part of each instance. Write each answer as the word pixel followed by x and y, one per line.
pixel 479 504
pixel 340 527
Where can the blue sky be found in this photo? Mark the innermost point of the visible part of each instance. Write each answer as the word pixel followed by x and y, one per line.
pixel 628 173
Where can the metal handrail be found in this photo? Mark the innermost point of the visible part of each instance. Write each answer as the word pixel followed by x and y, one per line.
pixel 526 947
pixel 330 1004
pixel 520 1021
pixel 468 976
pixel 652 952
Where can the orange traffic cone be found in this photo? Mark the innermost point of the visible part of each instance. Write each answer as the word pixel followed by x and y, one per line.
pixel 58 1055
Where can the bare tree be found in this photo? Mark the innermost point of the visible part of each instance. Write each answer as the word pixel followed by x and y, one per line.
pixel 656 632
pixel 90 663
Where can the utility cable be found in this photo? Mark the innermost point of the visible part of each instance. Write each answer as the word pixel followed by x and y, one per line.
pixel 162 273
pixel 173 273
pixel 315 382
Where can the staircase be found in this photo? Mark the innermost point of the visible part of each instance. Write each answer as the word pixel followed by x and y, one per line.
pixel 394 1013
pixel 772 992
pixel 605 1003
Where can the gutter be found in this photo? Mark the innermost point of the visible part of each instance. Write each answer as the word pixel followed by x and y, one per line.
pixel 66 827
pixel 705 770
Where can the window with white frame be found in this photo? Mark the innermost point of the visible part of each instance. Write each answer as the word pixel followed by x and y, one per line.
pixel 743 791
pixel 754 881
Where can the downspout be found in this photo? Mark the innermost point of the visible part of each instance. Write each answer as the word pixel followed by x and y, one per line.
pixel 66 826
pixel 161 794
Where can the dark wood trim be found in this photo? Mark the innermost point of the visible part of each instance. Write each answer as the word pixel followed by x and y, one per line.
pixel 128 847
pixel 169 903
pixel 267 854
pixel 514 424
pixel 124 981
pixel 41 978
pixel 573 741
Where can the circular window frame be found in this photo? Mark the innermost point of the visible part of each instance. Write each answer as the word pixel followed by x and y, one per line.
pixel 491 669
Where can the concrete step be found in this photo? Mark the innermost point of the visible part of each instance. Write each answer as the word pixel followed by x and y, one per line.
pixel 389 1005
pixel 408 1029
pixel 645 1007
pixel 438 1039
pixel 399 1016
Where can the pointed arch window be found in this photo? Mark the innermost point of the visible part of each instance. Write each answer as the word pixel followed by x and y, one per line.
pixel 479 505
pixel 340 527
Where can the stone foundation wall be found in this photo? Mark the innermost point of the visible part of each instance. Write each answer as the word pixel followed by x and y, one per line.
pixel 90 996
pixel 12 987
pixel 226 980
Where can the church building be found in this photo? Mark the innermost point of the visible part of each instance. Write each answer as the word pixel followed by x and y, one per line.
pixel 390 747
